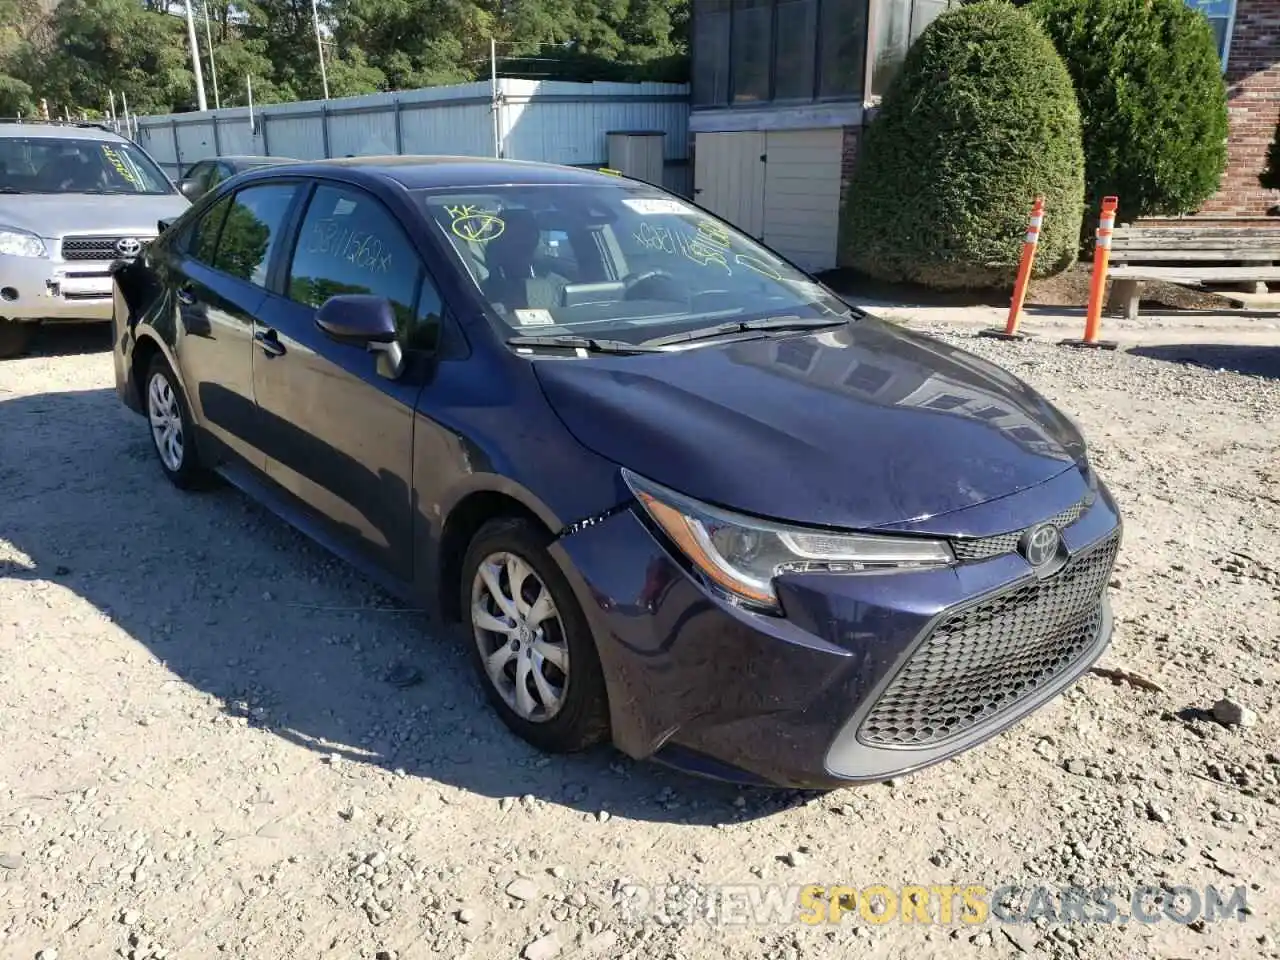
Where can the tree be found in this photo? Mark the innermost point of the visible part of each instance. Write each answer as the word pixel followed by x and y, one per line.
pixel 117 46
pixel 23 31
pixel 980 119
pixel 1152 100
pixel 1270 177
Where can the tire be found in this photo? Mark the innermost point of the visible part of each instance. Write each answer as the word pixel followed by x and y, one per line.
pixel 15 337
pixel 559 648
pixel 163 400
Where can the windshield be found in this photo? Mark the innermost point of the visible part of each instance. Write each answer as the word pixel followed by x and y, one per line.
pixel 58 165
pixel 624 262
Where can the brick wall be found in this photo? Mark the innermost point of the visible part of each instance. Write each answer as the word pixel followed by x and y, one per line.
pixel 1253 89
pixel 848 157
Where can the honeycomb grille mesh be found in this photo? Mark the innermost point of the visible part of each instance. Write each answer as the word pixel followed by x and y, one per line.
pixel 90 248
pixel 979 661
pixel 985 548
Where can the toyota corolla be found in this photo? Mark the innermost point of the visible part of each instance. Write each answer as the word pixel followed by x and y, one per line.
pixel 680 495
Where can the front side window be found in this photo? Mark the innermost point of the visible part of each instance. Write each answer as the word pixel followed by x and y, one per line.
pixel 68 165
pixel 202 243
pixel 349 243
pixel 251 231
pixel 645 265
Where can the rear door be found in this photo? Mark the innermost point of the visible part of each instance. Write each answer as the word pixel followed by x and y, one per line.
pixel 339 436
pixel 219 284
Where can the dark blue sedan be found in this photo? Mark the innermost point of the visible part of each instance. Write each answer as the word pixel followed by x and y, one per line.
pixel 680 495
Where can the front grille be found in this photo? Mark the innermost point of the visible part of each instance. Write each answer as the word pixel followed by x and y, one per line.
pixel 985 548
pixel 93 248
pixel 983 659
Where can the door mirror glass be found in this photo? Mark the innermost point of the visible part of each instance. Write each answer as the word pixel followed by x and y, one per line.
pixel 189 187
pixel 358 319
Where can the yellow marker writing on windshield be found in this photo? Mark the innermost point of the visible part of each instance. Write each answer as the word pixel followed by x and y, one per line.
pixel 475 224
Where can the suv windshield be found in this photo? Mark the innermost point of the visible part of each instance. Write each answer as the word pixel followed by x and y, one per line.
pixel 68 165
pixel 623 262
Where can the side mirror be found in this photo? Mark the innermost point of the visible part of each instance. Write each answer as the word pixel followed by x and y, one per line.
pixel 364 320
pixel 189 188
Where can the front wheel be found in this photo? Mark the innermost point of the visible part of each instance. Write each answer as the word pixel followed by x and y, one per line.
pixel 171 430
pixel 531 646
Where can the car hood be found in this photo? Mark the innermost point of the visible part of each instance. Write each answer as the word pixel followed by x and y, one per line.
pixel 863 426
pixel 53 215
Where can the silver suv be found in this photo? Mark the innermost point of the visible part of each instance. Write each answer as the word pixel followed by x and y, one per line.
pixel 74 199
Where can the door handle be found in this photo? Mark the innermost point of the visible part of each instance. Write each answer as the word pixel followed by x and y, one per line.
pixel 269 343
pixel 186 296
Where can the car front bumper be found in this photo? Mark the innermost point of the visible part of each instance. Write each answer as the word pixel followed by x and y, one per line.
pixel 47 288
pixel 866 677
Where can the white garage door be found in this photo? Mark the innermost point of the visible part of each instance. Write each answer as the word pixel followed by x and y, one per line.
pixel 802 196
pixel 781 187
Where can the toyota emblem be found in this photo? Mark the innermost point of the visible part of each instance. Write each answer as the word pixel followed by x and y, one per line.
pixel 128 246
pixel 1040 545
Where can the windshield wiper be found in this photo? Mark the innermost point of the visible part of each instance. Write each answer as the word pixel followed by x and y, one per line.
pixel 11 190
pixel 770 324
pixel 590 344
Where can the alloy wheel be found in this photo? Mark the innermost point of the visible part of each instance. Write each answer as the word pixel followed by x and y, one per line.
pixel 521 637
pixel 166 421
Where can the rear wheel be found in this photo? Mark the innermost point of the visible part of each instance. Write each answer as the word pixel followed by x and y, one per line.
pixel 171 430
pixel 15 337
pixel 531 646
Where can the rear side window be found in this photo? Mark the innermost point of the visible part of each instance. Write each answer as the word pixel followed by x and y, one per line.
pixel 350 243
pixel 251 231
pixel 202 242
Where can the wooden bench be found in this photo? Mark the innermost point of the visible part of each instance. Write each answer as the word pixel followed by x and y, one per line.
pixel 1191 255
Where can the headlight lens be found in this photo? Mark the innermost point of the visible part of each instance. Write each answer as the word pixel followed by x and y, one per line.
pixel 20 243
pixel 742 555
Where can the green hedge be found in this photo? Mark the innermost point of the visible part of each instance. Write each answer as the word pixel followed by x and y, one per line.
pixel 1152 100
pixel 981 118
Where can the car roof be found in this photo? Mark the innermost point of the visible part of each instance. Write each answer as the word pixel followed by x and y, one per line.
pixel 59 131
pixel 247 160
pixel 434 172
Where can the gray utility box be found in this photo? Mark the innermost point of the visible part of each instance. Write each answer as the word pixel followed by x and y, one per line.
pixel 637 154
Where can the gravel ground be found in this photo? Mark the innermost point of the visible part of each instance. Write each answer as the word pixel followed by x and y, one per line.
pixel 201 754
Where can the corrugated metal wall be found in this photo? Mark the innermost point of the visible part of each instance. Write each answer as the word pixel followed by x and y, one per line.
pixel 550 121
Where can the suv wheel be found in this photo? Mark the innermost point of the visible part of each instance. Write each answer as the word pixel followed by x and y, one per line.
pixel 15 337
pixel 531 645
pixel 170 423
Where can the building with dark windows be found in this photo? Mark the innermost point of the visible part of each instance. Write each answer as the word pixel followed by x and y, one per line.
pixel 782 88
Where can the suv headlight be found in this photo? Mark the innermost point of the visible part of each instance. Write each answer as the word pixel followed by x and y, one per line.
pixel 20 243
pixel 741 555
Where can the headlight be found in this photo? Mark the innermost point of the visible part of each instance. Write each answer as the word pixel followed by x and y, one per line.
pixel 742 555
pixel 19 243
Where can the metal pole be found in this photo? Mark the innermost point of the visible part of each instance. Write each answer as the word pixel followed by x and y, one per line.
pixel 201 102
pixel 213 67
pixel 248 86
pixel 124 108
pixel 112 95
pixel 493 84
pixel 324 76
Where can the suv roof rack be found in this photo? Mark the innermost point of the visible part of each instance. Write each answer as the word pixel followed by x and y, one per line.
pixel 96 124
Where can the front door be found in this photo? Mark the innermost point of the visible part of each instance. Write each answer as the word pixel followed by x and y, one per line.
pixel 338 435
pixel 219 284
